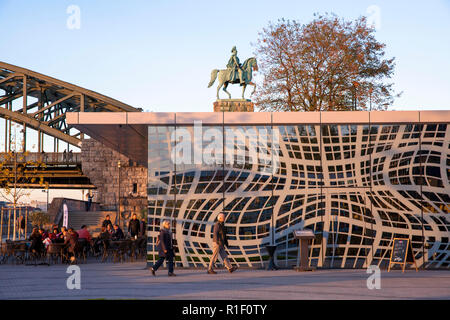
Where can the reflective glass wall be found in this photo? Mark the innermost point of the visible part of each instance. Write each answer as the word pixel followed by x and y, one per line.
pixel 358 186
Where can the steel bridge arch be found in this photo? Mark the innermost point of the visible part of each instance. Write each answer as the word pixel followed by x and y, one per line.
pixel 54 98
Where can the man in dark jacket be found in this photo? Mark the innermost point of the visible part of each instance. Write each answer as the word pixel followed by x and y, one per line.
pixel 134 226
pixel 220 241
pixel 106 222
pixel 118 233
pixel 165 249
pixel 36 241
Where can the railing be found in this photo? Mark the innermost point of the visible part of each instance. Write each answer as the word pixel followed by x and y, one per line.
pixel 56 208
pixel 8 224
pixel 45 157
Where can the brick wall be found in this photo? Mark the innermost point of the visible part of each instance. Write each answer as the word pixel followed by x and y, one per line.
pixel 99 163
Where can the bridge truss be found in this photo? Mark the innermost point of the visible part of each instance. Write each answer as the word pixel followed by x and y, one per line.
pixel 39 102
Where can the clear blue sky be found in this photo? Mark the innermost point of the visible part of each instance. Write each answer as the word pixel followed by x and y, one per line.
pixel 158 54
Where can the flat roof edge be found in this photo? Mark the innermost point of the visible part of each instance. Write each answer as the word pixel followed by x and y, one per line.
pixel 258 118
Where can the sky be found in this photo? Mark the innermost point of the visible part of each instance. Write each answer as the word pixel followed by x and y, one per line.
pixel 158 55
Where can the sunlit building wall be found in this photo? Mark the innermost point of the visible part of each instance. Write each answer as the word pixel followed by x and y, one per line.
pixel 356 184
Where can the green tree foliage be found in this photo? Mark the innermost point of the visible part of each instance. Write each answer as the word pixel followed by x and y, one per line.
pixel 39 218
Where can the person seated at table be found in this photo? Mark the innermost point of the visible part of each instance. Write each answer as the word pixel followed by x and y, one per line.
pixel 104 235
pixel 47 241
pixel 118 233
pixel 71 243
pixel 36 241
pixel 60 236
pixel 44 234
pixel 83 233
pixel 110 229
pixel 53 235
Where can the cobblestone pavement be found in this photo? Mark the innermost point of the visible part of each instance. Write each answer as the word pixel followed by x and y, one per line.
pixel 134 281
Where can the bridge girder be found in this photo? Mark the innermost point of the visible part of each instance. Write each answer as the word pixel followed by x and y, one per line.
pixel 62 170
pixel 54 98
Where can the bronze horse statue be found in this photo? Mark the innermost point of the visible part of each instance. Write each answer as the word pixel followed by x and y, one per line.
pixel 224 76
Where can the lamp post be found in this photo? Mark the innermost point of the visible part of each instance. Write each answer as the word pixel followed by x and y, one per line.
pixel 46 190
pixel 118 196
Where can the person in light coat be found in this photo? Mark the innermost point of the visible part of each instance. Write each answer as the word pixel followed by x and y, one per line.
pixel 220 241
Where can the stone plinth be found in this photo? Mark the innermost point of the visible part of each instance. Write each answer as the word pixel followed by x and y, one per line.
pixel 236 105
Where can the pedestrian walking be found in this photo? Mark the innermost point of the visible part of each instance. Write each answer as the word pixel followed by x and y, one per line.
pixel 88 202
pixel 220 241
pixel 165 249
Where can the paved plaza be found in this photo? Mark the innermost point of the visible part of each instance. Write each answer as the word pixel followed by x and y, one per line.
pixel 133 281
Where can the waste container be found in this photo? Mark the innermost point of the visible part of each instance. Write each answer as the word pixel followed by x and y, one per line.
pixel 271 251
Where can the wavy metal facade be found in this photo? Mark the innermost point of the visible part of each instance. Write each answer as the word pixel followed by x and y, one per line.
pixel 358 179
pixel 357 185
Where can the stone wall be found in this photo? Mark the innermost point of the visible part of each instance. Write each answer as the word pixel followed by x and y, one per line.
pixel 100 164
pixel 233 105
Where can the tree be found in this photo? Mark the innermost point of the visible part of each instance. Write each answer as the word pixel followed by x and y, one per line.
pixel 39 218
pixel 327 64
pixel 143 213
pixel 18 170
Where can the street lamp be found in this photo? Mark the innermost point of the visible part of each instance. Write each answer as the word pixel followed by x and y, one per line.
pixel 118 197
pixel 46 190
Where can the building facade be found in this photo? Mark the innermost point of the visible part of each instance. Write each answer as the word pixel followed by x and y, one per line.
pixel 357 179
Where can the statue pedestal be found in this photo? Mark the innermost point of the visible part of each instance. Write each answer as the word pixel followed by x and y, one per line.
pixel 233 105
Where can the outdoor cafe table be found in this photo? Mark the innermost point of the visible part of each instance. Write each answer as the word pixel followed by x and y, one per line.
pixel 59 245
pixel 11 248
pixel 59 248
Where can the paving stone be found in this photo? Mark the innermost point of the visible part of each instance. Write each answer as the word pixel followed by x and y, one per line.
pixel 133 281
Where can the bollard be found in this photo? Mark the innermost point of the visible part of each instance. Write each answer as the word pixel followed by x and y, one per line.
pixel 1 227
pixel 9 222
pixel 26 223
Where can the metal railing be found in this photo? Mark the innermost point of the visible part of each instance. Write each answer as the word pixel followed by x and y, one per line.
pixel 45 157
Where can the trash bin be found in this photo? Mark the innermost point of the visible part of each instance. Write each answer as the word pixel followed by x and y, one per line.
pixel 271 251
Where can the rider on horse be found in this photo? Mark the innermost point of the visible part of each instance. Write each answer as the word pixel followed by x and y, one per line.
pixel 233 64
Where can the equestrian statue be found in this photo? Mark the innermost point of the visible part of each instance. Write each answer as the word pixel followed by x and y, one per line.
pixel 235 73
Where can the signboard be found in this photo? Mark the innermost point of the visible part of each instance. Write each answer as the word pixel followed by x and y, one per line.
pixel 303 233
pixel 304 236
pixel 402 253
pixel 65 215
